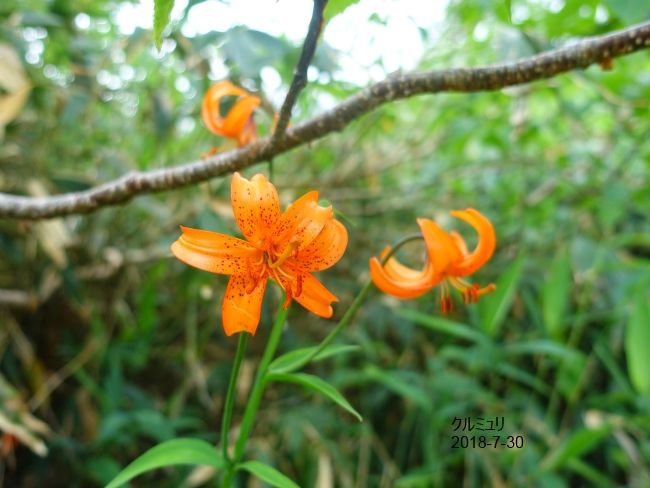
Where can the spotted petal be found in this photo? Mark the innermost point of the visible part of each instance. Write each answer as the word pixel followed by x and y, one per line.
pixel 301 223
pixel 256 206
pixel 315 297
pixel 325 249
pixel 214 252
pixel 242 304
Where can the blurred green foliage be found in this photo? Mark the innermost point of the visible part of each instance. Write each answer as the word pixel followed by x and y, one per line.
pixel 124 348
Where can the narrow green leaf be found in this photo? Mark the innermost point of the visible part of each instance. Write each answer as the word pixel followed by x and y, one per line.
pixel 494 307
pixel 523 377
pixel 290 360
pixel 267 474
pixel 173 452
pixel 637 344
pixel 161 12
pixel 446 326
pixel 396 383
pixel 556 294
pixel 318 385
pixel 508 6
pixel 590 473
pixel 578 443
pixel 544 347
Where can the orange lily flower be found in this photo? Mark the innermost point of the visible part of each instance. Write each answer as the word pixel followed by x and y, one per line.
pixel 448 261
pixel 238 123
pixel 286 247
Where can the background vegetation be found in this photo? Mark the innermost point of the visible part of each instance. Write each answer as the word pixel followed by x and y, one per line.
pixel 118 347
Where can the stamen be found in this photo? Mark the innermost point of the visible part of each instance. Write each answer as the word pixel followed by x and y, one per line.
pixel 288 252
pixel 470 291
pixel 446 305
pixel 299 285
pixel 485 290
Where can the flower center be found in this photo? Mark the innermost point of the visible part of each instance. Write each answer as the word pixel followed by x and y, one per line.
pixel 288 252
pixel 469 291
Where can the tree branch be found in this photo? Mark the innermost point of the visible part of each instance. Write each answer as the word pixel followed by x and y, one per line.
pixel 300 73
pixel 600 49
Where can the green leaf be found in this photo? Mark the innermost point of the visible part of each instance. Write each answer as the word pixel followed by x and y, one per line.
pixel 555 295
pixel 336 7
pixel 395 382
pixel 494 307
pixel 267 474
pixel 176 451
pixel 578 443
pixel 318 385
pixel 292 360
pixel 545 347
pixel 161 11
pixel 637 344
pixel 520 375
pixel 446 326
pixel 508 6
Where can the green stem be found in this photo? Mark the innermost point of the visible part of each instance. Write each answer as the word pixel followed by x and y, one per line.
pixel 351 312
pixel 256 395
pixel 230 396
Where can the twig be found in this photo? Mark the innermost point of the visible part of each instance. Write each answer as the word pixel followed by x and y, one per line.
pixel 17 299
pixel 546 65
pixel 300 73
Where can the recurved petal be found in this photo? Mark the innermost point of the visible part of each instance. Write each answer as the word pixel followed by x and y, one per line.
pixel 241 310
pixel 441 248
pixel 325 249
pixel 460 242
pixel 256 206
pixel 401 281
pixel 214 252
pixel 210 107
pixel 248 134
pixel 486 243
pixel 240 114
pixel 315 297
pixel 301 222
pixel 397 271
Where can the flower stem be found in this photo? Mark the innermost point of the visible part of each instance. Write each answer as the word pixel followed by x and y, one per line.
pixel 256 395
pixel 230 396
pixel 351 312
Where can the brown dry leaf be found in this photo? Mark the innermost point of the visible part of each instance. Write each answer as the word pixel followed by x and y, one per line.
pixel 52 235
pixel 325 478
pixel 14 81
pixel 16 420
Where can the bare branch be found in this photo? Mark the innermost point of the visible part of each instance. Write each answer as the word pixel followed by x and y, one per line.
pixel 300 73
pixel 600 49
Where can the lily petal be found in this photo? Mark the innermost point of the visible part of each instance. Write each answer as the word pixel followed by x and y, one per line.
pixel 315 297
pixel 401 281
pixel 240 311
pixel 301 223
pixel 239 115
pixel 460 242
pixel 441 249
pixel 485 247
pixel 210 107
pixel 325 249
pixel 248 133
pixel 256 206
pixel 214 252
